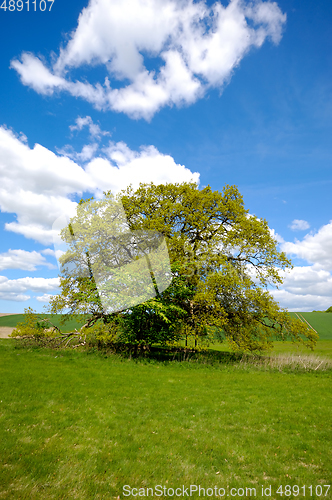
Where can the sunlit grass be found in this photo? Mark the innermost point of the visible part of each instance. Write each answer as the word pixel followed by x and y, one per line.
pixel 321 322
pixel 78 425
pixel 322 348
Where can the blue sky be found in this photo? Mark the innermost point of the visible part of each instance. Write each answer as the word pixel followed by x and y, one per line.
pixel 221 92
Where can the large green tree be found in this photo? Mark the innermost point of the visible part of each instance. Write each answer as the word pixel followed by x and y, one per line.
pixel 223 261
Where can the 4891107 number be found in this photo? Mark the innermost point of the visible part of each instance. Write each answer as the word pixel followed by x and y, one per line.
pixel 33 5
pixel 294 491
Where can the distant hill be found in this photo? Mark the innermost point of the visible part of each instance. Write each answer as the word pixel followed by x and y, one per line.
pixel 13 320
pixel 329 310
pixel 320 322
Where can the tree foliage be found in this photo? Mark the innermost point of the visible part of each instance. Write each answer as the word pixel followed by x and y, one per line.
pixel 223 263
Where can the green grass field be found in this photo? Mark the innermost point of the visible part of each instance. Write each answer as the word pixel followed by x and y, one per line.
pixel 321 322
pixel 323 348
pixel 14 319
pixel 79 425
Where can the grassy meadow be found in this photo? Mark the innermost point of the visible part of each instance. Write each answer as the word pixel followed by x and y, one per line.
pixel 13 320
pixel 321 322
pixel 82 425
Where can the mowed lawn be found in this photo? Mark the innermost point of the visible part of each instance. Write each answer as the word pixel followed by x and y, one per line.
pixel 78 425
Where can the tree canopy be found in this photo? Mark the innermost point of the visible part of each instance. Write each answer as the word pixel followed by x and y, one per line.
pixel 215 285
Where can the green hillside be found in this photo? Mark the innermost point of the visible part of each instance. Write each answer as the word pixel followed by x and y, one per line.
pixel 321 322
pixel 12 321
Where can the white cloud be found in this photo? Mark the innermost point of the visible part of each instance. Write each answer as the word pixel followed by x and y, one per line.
pixel 302 303
pixel 88 152
pixel 28 283
pixel 36 184
pixel 44 298
pixel 48 251
pixel 299 225
pixel 124 166
pixel 198 47
pixel 15 297
pixel 308 287
pixel 276 236
pixel 16 289
pixel 21 259
pixel 34 74
pixel 315 248
pixel 307 280
pixel 94 129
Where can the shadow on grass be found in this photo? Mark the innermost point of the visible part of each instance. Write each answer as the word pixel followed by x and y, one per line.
pixel 190 357
pixel 243 360
pixel 166 354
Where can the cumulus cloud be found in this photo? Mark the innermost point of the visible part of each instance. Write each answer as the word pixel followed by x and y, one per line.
pixel 299 225
pixel 302 303
pixel 307 280
pixel 16 289
pixel 88 152
pixel 48 251
pixel 37 184
pixel 315 248
pixel 123 165
pixel 276 236
pixel 308 287
pixel 15 297
pixel 21 259
pixel 35 74
pixel 44 298
pixel 197 46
